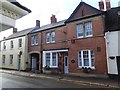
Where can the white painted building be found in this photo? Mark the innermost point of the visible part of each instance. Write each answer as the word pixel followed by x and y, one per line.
pixel 112 36
pixel 9 12
pixel 14 51
pixel 113 51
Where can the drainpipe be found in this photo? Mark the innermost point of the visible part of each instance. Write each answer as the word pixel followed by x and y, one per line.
pixel 41 54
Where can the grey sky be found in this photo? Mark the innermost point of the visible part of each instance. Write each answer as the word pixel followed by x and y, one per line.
pixel 43 9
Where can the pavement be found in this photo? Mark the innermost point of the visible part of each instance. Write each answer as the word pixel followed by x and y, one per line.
pixel 78 79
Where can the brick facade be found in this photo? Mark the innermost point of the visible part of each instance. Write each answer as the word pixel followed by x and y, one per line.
pixel 67 32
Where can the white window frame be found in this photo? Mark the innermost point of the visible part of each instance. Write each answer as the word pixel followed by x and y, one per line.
pixel 11 59
pixel 20 43
pixel 44 59
pixel 88 29
pixel 52 36
pixel 4 45
pixel 48 37
pixel 11 44
pixel 81 31
pixel 34 40
pixel 90 60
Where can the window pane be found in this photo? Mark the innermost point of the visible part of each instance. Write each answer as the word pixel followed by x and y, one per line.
pixel 36 39
pixel 88 28
pixel 11 44
pixel 11 59
pixel 32 40
pixel 3 59
pixel 86 58
pixel 53 59
pixel 48 38
pixel 20 42
pixel 92 58
pixel 48 59
pixel 53 36
pixel 4 45
pixel 80 59
pixel 79 30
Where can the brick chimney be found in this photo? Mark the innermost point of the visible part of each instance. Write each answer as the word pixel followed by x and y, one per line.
pixel 53 19
pixel 108 6
pixel 37 23
pixel 14 30
pixel 101 5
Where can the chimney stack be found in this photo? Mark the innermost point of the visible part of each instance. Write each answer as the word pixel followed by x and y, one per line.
pixel 53 19
pixel 14 30
pixel 38 23
pixel 108 6
pixel 101 5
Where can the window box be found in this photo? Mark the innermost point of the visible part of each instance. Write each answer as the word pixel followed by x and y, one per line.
pixel 86 69
pixel 46 67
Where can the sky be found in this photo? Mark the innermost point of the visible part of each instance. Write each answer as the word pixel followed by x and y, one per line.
pixel 43 9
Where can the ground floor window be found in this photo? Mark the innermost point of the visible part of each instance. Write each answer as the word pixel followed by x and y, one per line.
pixel 86 58
pixel 51 59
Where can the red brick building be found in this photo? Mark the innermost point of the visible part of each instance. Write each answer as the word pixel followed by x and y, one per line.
pixel 75 45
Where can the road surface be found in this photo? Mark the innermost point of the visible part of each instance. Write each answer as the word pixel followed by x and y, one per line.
pixel 13 81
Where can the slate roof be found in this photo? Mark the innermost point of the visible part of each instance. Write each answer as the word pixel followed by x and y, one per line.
pixel 112 19
pixel 50 26
pixel 97 12
pixel 20 33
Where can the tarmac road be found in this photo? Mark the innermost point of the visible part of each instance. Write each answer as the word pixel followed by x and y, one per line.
pixel 14 81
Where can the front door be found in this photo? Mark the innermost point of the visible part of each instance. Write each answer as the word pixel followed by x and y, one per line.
pixel 34 66
pixel 19 62
pixel 66 71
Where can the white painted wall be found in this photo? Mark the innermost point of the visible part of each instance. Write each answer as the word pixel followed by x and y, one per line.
pixel 15 52
pixel 112 43
pixel 112 49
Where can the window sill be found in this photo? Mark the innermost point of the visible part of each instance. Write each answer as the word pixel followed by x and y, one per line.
pixel 84 37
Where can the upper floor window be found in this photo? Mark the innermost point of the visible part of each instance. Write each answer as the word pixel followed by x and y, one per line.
pixel 80 30
pixel 20 43
pixel 34 40
pixel 88 29
pixel 50 37
pixel 11 45
pixel 4 45
pixel 11 59
pixel 3 59
pixel 86 58
pixel 84 30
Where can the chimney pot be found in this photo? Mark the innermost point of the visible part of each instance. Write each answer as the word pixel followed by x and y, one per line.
pixel 53 19
pixel 14 30
pixel 101 5
pixel 37 23
pixel 108 6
